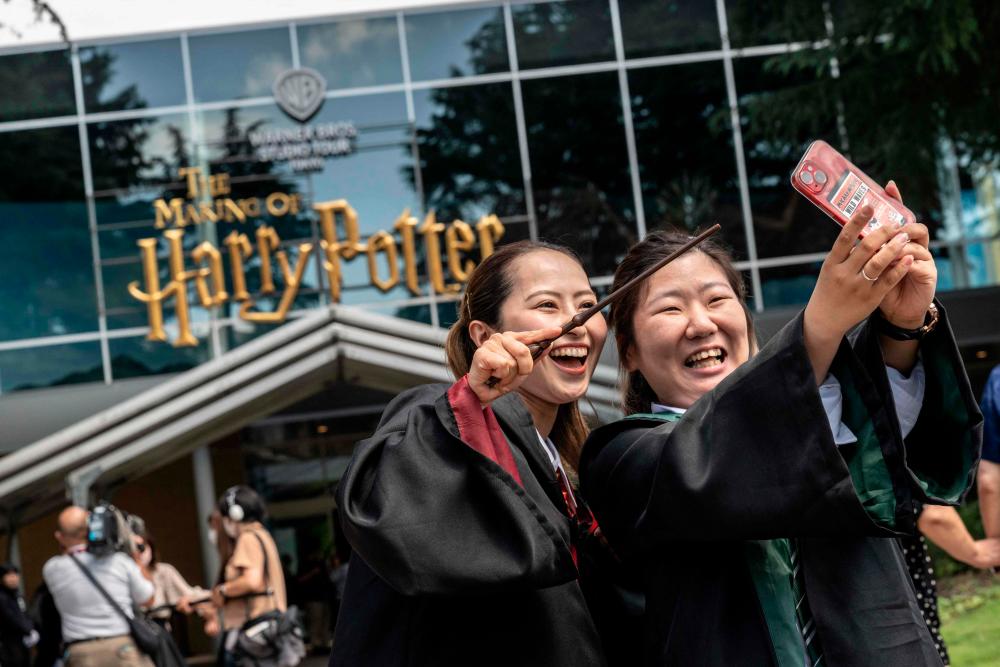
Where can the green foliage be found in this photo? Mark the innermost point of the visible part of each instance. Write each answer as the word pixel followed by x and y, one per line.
pixel 911 73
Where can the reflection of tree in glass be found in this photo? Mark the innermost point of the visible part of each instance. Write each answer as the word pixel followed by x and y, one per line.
pixel 120 153
pixel 36 85
pixel 688 201
pixel 582 191
pixel 780 113
pixel 45 259
pixel 583 194
pixel 98 71
pixel 914 80
pixel 657 27
pixel 487 48
pixel 754 23
pixel 234 154
pixel 469 156
pixel 550 34
pixel 687 166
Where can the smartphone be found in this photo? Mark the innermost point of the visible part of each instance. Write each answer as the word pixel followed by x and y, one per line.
pixel 831 182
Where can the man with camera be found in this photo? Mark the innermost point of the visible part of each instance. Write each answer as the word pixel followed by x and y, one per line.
pixel 95 634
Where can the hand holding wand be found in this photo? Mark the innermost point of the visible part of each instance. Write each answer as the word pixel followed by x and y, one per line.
pixel 580 318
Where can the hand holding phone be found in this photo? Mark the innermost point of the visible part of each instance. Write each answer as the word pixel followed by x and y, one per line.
pixel 838 188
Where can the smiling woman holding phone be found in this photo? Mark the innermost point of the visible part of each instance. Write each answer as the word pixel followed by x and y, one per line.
pixel 752 491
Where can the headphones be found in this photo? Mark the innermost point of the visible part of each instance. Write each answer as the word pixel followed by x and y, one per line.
pixel 235 511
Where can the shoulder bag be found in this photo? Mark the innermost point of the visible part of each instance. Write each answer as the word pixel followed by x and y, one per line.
pixel 151 639
pixel 273 639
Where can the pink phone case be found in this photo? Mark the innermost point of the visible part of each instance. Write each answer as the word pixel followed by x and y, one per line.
pixel 831 182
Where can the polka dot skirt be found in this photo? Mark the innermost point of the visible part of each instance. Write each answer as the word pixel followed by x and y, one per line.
pixel 918 562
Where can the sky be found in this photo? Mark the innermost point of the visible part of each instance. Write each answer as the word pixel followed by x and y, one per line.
pixel 92 19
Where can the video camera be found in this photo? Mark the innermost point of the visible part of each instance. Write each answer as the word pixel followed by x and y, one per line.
pixel 109 529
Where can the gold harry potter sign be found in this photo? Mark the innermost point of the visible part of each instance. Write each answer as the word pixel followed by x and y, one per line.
pixel 441 243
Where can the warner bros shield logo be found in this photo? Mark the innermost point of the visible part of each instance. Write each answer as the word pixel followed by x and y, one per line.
pixel 299 92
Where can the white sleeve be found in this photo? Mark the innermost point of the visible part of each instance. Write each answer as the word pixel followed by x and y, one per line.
pixel 907 395
pixel 833 404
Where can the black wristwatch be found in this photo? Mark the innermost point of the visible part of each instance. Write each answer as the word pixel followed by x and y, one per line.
pixel 886 327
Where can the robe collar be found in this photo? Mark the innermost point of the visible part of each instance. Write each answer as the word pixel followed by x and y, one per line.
pixel 517 423
pixel 657 408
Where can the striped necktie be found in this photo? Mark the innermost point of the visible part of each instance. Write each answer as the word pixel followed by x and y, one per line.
pixel 803 614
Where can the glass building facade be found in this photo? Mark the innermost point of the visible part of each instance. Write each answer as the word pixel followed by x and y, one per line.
pixel 586 122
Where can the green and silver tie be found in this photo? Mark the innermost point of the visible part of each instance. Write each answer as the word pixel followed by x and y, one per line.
pixel 803 614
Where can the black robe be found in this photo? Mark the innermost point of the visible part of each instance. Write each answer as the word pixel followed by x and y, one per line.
pixel 701 506
pixel 455 562
pixel 14 627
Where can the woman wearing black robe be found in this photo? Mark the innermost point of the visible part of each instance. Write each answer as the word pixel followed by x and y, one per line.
pixel 458 509
pixel 702 494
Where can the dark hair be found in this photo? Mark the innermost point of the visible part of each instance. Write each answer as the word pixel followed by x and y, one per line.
pixel 252 504
pixel 488 287
pixel 637 395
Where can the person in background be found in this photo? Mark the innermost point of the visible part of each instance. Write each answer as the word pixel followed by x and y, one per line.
pixel 95 634
pixel 17 633
pixel 170 585
pixel 203 605
pixel 338 577
pixel 944 527
pixel 988 477
pixel 252 579
pixel 45 616
pixel 316 595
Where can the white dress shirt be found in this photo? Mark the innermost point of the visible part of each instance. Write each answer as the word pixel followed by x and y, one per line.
pixel 907 394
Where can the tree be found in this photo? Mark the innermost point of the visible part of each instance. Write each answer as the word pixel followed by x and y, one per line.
pixel 916 81
pixel 43 12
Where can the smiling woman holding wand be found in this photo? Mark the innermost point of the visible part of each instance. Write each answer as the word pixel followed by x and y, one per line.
pixel 464 524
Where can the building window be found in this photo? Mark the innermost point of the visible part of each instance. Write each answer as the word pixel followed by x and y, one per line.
pixel 683 137
pixel 350 54
pixel 579 165
pixel 36 85
pixel 46 262
pixel 550 34
pixel 664 27
pixel 49 366
pixel 442 45
pixel 134 75
pixel 237 65
pixel 469 157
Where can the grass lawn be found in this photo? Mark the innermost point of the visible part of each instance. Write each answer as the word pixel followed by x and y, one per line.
pixel 971 627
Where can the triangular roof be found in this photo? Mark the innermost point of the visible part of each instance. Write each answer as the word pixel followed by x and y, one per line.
pixel 218 397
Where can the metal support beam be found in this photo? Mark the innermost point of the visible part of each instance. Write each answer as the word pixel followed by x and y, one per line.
pixel 204 495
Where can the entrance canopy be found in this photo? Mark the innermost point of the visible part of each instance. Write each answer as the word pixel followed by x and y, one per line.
pixel 195 408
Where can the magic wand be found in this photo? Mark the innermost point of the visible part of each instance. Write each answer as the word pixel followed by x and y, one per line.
pixel 580 318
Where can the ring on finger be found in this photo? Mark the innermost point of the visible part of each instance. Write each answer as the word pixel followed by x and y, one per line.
pixel 867 277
